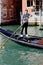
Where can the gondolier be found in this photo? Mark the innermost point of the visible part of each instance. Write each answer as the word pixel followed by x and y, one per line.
pixel 24 21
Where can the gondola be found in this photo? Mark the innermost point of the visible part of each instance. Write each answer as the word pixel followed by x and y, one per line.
pixel 30 41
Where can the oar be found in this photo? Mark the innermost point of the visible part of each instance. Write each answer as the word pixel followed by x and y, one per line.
pixel 3 44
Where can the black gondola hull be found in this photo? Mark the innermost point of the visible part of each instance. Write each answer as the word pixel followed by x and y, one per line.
pixel 30 41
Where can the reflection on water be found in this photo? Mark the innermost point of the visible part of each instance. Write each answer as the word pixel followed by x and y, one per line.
pixel 14 54
pixel 35 31
pixel 2 39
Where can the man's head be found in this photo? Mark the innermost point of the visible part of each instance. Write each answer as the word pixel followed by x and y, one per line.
pixel 26 11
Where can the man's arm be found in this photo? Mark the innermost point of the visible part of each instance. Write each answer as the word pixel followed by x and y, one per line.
pixel 30 15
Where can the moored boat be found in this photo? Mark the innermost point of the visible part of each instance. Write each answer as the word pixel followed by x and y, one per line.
pixel 30 41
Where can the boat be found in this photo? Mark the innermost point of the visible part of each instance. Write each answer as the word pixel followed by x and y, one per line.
pixel 30 41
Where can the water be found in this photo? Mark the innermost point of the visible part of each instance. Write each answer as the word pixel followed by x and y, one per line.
pixel 14 54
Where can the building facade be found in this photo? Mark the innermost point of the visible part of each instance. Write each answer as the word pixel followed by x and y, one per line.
pixel 10 9
pixel 33 6
pixel 0 11
pixel 30 4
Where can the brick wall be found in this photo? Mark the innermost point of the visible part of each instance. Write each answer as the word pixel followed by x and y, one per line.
pixel 7 10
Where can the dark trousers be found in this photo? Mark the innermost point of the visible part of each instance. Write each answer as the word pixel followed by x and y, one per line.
pixel 25 25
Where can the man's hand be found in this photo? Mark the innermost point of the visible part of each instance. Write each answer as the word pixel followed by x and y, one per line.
pixel 31 15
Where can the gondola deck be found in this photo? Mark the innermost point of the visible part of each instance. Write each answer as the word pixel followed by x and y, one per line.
pixel 33 41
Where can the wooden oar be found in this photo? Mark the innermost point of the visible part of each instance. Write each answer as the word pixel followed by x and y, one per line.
pixel 3 44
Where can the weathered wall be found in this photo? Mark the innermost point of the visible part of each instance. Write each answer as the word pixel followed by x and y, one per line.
pixel 0 11
pixel 7 10
pixel 11 10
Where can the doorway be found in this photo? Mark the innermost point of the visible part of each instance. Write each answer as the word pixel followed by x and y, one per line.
pixel 17 10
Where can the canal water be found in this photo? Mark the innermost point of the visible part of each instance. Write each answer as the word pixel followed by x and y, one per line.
pixel 15 54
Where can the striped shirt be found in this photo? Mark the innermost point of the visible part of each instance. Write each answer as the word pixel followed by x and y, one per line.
pixel 25 18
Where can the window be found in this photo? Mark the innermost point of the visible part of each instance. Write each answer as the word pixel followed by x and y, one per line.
pixel 38 4
pixel 29 3
pixel 11 12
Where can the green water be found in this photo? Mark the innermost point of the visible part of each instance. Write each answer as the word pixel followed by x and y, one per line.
pixel 14 54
